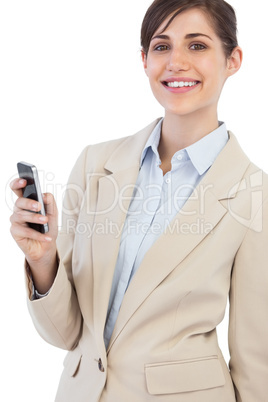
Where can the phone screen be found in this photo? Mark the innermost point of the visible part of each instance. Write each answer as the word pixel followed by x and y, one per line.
pixel 32 190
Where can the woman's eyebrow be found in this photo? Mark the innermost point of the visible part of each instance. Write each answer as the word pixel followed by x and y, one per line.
pixel 195 35
pixel 188 36
pixel 165 37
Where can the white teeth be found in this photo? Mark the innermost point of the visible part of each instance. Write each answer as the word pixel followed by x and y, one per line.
pixel 181 84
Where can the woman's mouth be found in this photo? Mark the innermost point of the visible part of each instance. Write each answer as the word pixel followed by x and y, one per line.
pixel 180 86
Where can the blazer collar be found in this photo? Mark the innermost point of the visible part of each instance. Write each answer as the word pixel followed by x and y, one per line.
pixel 225 172
pixel 128 154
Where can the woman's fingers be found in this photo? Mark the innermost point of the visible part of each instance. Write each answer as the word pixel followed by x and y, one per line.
pixel 24 233
pixel 26 211
pixel 21 216
pixel 27 204
pixel 35 206
pixel 39 248
pixel 17 185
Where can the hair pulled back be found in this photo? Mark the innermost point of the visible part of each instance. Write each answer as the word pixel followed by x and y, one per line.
pixel 221 14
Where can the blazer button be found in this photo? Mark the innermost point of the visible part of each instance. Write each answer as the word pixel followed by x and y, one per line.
pixel 100 365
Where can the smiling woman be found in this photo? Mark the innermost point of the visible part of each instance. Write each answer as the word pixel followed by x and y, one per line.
pixel 158 230
pixel 187 57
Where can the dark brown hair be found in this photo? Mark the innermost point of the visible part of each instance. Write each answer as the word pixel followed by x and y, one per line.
pixel 221 14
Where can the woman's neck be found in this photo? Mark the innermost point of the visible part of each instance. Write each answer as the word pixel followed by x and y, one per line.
pixel 178 132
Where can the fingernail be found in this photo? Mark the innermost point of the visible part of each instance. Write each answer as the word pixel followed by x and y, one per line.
pixel 48 238
pixel 21 181
pixel 42 218
pixel 35 205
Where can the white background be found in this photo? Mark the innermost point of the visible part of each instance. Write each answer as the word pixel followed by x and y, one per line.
pixel 70 75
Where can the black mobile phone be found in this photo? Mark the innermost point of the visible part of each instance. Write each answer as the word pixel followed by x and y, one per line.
pixel 33 191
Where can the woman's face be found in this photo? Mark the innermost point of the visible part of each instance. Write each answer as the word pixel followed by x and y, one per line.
pixel 186 65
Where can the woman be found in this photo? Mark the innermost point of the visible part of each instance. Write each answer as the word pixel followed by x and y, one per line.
pixel 158 229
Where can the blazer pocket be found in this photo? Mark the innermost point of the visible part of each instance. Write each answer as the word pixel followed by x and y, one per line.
pixel 184 376
pixel 72 361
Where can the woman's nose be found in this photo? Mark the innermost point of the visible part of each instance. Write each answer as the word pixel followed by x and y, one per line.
pixel 177 61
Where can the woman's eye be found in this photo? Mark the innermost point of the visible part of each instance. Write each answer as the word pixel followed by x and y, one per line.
pixel 197 46
pixel 161 48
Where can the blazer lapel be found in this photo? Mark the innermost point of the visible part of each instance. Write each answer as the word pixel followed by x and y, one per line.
pixel 114 194
pixel 199 216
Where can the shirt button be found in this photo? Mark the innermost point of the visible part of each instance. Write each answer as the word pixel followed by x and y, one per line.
pixel 179 157
pixel 168 180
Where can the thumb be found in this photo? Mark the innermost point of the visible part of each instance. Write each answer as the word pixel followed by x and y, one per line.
pixel 50 204
pixel 52 214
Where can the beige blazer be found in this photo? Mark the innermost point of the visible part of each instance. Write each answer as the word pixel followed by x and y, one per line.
pixel 164 346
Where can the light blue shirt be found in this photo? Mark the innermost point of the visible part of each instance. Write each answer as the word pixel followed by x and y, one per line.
pixel 156 200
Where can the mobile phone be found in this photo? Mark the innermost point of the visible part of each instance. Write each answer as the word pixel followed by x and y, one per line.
pixel 33 191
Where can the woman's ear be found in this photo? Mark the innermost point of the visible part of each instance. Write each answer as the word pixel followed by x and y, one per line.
pixel 234 62
pixel 144 60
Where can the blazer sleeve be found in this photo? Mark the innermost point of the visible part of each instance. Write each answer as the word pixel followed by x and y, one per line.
pixel 248 324
pixel 57 316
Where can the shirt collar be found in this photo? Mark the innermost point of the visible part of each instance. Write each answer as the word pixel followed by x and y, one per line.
pixel 153 142
pixel 202 153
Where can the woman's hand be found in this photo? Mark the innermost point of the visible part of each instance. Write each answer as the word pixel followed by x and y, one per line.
pixel 39 249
